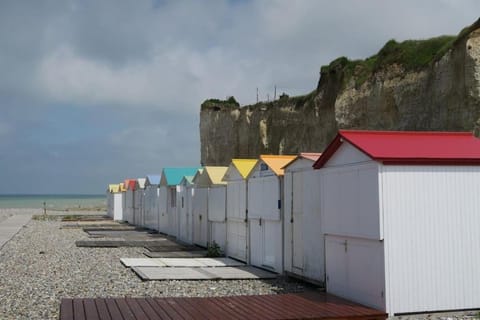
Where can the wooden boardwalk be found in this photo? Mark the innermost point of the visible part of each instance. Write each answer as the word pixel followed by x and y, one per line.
pixel 310 305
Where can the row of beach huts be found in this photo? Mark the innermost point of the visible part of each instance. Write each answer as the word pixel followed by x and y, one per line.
pixel 387 219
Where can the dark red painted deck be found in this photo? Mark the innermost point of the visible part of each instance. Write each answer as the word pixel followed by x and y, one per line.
pixel 310 305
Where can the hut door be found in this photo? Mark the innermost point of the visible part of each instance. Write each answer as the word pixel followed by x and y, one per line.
pixel 297 220
pixel 355 270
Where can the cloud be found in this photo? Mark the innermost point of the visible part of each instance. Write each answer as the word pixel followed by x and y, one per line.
pixel 96 91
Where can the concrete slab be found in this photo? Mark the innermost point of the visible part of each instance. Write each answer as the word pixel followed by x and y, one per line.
pixel 10 226
pixel 247 272
pixel 220 262
pixel 177 254
pixel 182 262
pixel 159 273
pixel 141 262
pixel 202 273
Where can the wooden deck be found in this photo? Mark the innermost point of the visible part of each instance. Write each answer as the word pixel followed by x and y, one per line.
pixel 311 305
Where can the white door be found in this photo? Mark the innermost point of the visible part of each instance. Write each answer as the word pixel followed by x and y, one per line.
pixel 297 221
pixel 237 240
pixel 200 216
pixel 355 270
pixel 256 242
pixel 236 224
pixel 162 210
pixel 217 215
pixel 188 214
pixel 265 224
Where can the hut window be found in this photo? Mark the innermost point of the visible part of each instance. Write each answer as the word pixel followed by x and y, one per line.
pixel 263 167
pixel 173 198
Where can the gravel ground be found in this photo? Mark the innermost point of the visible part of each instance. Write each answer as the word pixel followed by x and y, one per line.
pixel 41 265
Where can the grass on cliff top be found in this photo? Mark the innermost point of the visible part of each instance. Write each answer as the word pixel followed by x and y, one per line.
pixel 410 54
pixel 217 103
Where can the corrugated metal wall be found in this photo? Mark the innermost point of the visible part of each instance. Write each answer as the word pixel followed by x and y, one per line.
pixel 236 215
pixel 304 247
pixel 432 237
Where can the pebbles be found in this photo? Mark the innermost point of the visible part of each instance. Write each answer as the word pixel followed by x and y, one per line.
pixel 41 265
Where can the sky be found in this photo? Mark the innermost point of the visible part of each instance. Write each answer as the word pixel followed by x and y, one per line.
pixel 93 92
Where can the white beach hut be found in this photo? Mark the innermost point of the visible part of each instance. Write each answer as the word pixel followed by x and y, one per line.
pixel 265 214
pixel 211 179
pixel 169 181
pixel 237 226
pixel 139 203
pixel 184 207
pixel 199 212
pixel 115 202
pixel 110 199
pixel 400 216
pixel 152 195
pixel 303 252
pixel 129 201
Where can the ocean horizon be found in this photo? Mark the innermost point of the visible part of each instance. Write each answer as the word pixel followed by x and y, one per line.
pixel 54 201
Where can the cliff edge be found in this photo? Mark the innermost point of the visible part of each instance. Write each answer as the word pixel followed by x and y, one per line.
pixel 421 85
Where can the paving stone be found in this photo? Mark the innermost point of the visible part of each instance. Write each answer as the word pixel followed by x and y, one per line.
pixel 141 262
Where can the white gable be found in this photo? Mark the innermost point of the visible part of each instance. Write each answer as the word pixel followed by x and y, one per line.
pixel 232 174
pixel 260 170
pixel 347 154
pixel 301 164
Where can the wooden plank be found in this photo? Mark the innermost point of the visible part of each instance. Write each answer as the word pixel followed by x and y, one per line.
pixel 78 310
pixel 158 309
pixel 310 305
pixel 91 312
pixel 219 310
pixel 236 308
pixel 177 306
pixel 172 313
pixel 127 313
pixel 66 309
pixel 136 309
pixel 147 308
pixel 113 309
pixel 102 309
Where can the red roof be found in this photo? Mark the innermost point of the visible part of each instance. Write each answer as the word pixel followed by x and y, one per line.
pixel 404 147
pixel 130 184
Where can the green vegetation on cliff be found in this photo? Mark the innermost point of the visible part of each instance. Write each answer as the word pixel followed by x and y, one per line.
pixel 218 104
pixel 412 55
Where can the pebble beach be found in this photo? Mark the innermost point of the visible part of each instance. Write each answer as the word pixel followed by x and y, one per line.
pixel 41 264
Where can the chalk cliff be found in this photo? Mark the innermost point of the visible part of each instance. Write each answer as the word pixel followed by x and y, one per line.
pixel 429 84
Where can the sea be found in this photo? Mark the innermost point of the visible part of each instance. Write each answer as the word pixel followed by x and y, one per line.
pixel 54 201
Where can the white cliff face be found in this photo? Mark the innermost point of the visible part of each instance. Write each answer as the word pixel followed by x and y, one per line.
pixel 445 96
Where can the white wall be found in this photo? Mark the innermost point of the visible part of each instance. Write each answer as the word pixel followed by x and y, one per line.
pixel 152 194
pixel 237 233
pixel 128 216
pixel 117 208
pixel 162 205
pixel 305 255
pixel 432 237
pixel 355 269
pixel 350 201
pixel 200 212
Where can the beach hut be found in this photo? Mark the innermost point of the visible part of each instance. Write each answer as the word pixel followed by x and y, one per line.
pixel 115 202
pixel 265 211
pixel 110 199
pixel 199 212
pixel 400 214
pixel 123 192
pixel 184 207
pixel 129 200
pixel 237 226
pixel 139 203
pixel 169 181
pixel 211 180
pixel 303 252
pixel 152 194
